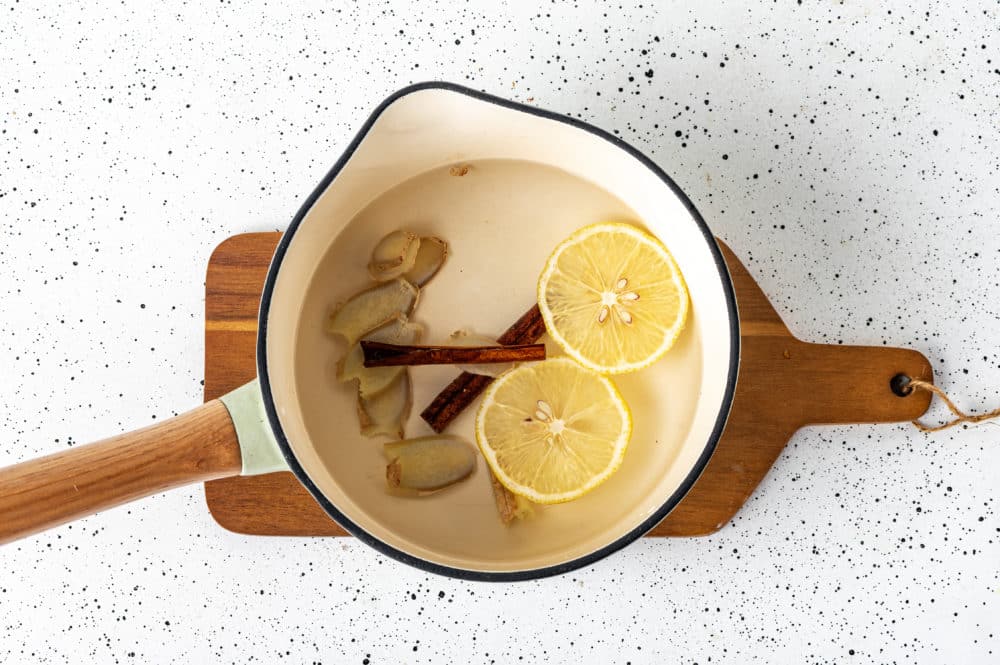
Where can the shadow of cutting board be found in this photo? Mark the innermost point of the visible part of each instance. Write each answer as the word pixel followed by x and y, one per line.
pixel 783 384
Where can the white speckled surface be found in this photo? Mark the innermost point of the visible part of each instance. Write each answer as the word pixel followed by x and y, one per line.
pixel 847 152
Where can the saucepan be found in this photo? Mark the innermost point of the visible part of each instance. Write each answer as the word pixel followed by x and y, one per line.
pixel 503 183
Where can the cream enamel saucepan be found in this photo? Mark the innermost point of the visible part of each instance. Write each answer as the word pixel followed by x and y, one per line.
pixel 534 178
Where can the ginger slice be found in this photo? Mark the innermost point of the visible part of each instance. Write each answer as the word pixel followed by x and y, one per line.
pixel 394 255
pixel 398 330
pixel 385 413
pixel 429 259
pixel 510 506
pixel 372 308
pixel 428 463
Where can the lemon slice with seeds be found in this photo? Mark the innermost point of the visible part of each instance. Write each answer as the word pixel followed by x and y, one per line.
pixel 613 298
pixel 552 431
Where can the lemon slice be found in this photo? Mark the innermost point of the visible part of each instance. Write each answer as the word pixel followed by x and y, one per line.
pixel 613 298
pixel 552 431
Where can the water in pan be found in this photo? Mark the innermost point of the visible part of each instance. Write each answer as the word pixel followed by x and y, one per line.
pixel 501 219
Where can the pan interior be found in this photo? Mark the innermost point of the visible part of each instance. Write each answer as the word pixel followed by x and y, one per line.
pixel 501 220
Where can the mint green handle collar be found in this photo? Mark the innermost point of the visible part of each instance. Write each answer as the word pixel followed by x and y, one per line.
pixel 258 447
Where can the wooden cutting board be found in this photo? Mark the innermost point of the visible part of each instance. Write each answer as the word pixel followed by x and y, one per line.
pixel 783 384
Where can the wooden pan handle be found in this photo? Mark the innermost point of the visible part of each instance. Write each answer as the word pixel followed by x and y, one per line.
pixel 42 493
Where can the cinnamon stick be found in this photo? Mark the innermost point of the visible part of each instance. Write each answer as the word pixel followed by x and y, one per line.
pixel 466 387
pixel 379 354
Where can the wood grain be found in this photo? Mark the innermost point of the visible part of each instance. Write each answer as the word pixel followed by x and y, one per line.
pixel 193 447
pixel 783 384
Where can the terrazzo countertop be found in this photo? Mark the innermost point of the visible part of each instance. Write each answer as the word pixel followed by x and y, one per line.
pixel 847 151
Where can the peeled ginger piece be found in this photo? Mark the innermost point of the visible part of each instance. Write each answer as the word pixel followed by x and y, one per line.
pixel 372 308
pixel 428 463
pixel 429 259
pixel 385 413
pixel 394 255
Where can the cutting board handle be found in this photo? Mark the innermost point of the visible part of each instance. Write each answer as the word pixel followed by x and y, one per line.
pixel 851 384
pixel 196 446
